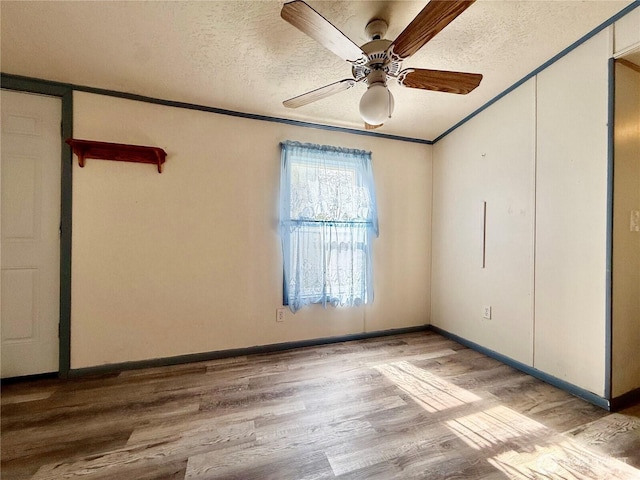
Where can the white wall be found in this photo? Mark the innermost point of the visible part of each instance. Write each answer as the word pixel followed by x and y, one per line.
pixel 626 240
pixel 626 33
pixel 571 216
pixel 189 260
pixel 544 175
pixel 490 158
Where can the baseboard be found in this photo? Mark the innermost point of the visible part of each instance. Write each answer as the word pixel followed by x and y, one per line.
pixel 28 378
pixel 534 372
pixel 625 400
pixel 235 352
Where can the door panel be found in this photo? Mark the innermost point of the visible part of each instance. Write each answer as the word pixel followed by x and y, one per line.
pixel 18 304
pixel 30 207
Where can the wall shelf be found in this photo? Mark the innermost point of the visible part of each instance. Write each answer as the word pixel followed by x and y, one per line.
pixel 116 151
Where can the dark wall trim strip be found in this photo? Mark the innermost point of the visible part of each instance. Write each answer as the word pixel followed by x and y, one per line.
pixel 66 94
pixel 542 67
pixel 608 332
pixel 219 111
pixel 206 356
pixel 534 372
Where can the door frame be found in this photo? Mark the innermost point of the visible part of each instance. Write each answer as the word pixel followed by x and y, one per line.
pixel 65 93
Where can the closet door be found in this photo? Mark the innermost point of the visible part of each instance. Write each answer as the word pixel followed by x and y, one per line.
pixel 30 257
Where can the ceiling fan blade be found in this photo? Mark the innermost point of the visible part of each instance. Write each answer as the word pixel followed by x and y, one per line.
pixel 368 126
pixel 319 93
pixel 434 17
pixel 308 21
pixel 439 80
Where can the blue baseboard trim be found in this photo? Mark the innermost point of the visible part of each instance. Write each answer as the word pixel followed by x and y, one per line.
pixel 236 352
pixel 534 372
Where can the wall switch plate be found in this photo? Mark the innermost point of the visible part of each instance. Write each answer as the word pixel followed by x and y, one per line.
pixel 486 312
pixel 280 314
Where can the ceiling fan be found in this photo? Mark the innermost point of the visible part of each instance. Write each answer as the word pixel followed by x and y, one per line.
pixel 379 60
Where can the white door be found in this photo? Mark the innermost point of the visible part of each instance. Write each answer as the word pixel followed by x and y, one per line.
pixel 30 253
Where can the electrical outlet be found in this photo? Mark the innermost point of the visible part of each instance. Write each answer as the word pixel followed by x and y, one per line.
pixel 486 312
pixel 280 314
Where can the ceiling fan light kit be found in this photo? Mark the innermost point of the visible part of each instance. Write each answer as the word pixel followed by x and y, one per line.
pixel 379 60
pixel 376 105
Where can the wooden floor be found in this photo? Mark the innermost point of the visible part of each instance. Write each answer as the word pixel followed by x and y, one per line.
pixel 406 406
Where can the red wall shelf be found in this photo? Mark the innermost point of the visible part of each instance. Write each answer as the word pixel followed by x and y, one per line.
pixel 117 151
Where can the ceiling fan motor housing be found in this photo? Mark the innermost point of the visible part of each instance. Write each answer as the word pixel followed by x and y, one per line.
pixel 377 60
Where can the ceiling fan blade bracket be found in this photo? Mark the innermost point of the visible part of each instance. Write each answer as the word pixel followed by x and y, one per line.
pixel 403 75
pixel 359 72
pixel 394 57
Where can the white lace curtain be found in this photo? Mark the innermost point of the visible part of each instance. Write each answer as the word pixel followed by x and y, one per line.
pixel 328 217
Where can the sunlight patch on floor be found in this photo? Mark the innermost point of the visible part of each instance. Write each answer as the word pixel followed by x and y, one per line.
pixel 494 426
pixel 431 392
pixel 562 460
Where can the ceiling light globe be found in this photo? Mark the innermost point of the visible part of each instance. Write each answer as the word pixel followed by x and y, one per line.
pixel 376 105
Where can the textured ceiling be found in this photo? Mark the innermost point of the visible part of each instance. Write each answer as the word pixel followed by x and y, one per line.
pixel 240 55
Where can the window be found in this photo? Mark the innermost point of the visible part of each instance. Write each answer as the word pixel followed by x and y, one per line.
pixel 327 221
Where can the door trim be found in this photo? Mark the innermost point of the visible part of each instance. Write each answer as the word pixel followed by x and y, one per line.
pixel 608 327
pixel 66 95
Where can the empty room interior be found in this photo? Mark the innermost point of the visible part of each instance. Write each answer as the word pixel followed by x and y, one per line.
pixel 320 239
